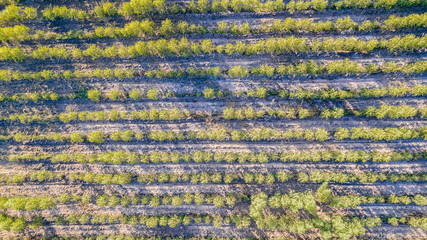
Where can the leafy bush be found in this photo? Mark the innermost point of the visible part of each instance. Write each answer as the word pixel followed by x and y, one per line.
pixel 94 95
pixel 77 137
pixel 209 93
pixel 163 47
pixel 115 95
pixel 135 94
pixel 96 137
pixel 106 10
pixel 64 13
pixel 13 13
pixel 153 94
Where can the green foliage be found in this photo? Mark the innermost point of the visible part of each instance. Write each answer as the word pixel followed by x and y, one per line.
pixel 419 200
pixel 323 193
pixel 314 156
pixel 238 71
pixel 77 137
pixel 256 134
pixel 94 95
pixel 205 178
pixel 13 13
pixel 63 13
pixel 16 33
pixel 96 137
pixel 402 111
pixel 258 203
pixel 209 93
pixel 147 27
pixel 106 10
pixel 153 94
pixel 115 95
pixel 135 94
pixel 142 7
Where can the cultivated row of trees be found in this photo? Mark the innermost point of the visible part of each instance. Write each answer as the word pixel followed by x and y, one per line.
pixel 47 202
pixel 310 67
pixel 342 227
pixel 293 201
pixel 144 8
pixel 8 223
pixel 17 224
pixel 402 111
pixel 153 114
pixel 308 200
pixel 7 75
pixel 13 13
pixel 185 48
pixel 167 28
pixel 354 200
pixel 208 93
pixel 8 2
pixel 206 178
pixel 223 134
pixel 125 157
pixel 229 113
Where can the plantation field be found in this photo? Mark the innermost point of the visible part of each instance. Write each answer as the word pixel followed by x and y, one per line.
pixel 213 119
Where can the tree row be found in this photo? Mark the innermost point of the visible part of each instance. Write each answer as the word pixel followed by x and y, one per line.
pixel 342 67
pixel 167 28
pixel 206 178
pixel 223 134
pixel 228 113
pixel 218 200
pixel 145 8
pixel 48 202
pixel 15 224
pixel 185 48
pixel 128 157
pixel 154 94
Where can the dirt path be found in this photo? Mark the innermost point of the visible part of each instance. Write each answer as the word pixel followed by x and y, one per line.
pixel 414 146
pixel 218 39
pixel 182 86
pixel 241 208
pixel 384 210
pixel 393 232
pixel 206 106
pixel 139 210
pixel 211 20
pixel 382 189
pixel 213 60
pixel 181 168
pixel 115 229
pixel 208 124
pixel 381 232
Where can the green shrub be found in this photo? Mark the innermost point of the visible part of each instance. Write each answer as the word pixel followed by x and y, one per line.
pixel 142 8
pixel 106 10
pixel 94 95
pixel 115 94
pixel 393 221
pixel 209 93
pixel 96 137
pixel 127 135
pixel 321 135
pixel 77 137
pixel 153 94
pixel 135 94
